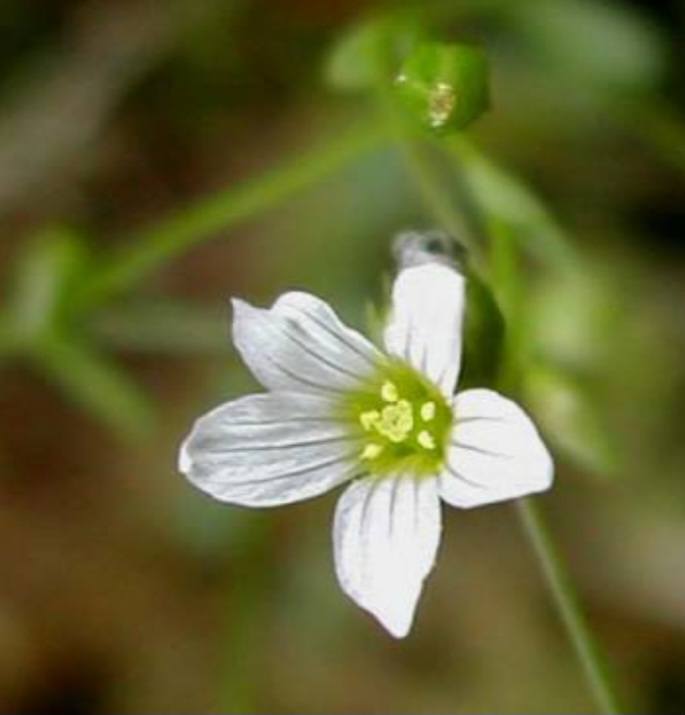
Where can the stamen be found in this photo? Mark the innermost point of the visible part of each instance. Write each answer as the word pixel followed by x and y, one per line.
pixel 371 450
pixel 425 439
pixel 428 411
pixel 369 419
pixel 404 422
pixel 389 392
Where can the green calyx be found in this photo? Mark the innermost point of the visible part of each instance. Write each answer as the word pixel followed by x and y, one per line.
pixel 403 420
pixel 444 86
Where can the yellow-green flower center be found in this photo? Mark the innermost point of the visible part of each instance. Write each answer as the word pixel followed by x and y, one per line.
pixel 404 421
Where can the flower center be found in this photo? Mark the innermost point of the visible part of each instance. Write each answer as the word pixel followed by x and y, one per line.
pixel 404 419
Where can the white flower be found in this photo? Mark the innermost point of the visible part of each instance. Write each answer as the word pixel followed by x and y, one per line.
pixel 340 410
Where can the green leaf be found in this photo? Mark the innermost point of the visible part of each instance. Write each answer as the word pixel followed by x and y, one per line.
pixel 504 199
pixel 445 87
pixel 375 319
pixel 484 332
pixel 508 281
pixel 162 326
pixel 45 275
pixel 93 382
pixel 579 316
pixel 353 63
pixel 597 45
pixel 571 419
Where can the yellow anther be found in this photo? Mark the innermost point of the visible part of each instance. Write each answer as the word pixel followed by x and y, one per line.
pixel 369 419
pixel 425 439
pixel 389 392
pixel 396 421
pixel 371 450
pixel 427 411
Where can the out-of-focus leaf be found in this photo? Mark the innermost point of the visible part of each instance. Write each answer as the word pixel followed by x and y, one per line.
pixel 502 198
pixel 483 336
pixel 508 287
pixel 93 382
pixel 578 316
pixel 353 63
pixel 505 267
pixel 164 326
pixel 569 417
pixel 597 44
pixel 375 320
pixel 204 529
pixel 41 323
pixel 46 273
pixel 444 86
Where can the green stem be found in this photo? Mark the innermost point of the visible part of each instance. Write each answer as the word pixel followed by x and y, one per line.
pixel 440 204
pixel 567 603
pixel 151 247
pixel 437 200
pixel 556 575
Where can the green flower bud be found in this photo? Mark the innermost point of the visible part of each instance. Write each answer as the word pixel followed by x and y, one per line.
pixel 444 86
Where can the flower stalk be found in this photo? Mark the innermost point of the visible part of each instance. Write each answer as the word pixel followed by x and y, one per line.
pixel 566 600
pixel 152 247
pixel 549 558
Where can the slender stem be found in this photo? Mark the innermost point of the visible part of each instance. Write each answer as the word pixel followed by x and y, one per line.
pixel 438 201
pixel 566 600
pixel 549 558
pixel 151 247
pixel 558 579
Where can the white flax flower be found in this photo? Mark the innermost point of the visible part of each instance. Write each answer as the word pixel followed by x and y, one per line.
pixel 387 423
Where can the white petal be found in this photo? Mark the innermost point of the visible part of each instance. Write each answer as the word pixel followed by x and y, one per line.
pixel 264 450
pixel 495 452
pixel 300 344
pixel 386 534
pixel 425 326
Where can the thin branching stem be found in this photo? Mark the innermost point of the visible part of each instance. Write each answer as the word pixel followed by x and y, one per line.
pixel 151 247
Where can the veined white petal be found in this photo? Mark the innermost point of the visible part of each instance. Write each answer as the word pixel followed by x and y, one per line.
pixel 264 450
pixel 300 344
pixel 425 326
pixel 386 534
pixel 495 452
pixel 319 319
